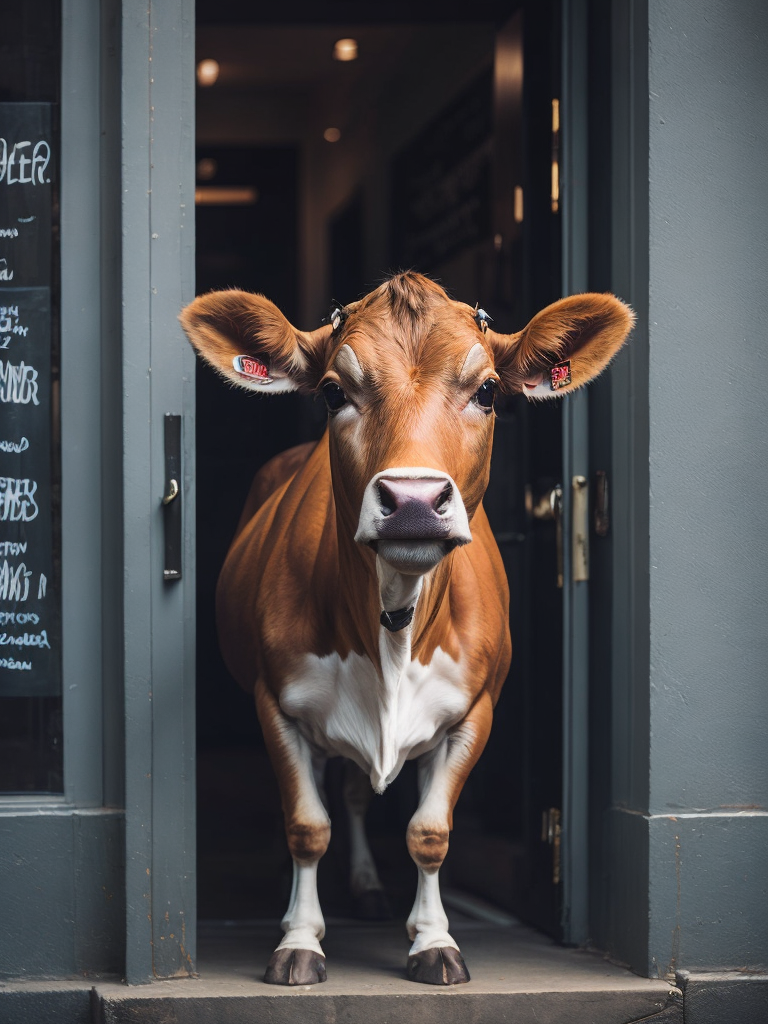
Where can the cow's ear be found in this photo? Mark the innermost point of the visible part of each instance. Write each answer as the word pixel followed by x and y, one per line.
pixel 564 347
pixel 249 341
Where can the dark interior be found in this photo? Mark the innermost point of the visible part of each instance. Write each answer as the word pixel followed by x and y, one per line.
pixel 433 109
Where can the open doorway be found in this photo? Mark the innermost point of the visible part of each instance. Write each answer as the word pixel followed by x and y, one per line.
pixel 435 148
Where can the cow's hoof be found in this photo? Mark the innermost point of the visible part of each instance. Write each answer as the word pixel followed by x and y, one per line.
pixel 373 905
pixel 295 967
pixel 443 965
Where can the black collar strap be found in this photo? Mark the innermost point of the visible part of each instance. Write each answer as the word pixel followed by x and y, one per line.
pixel 394 621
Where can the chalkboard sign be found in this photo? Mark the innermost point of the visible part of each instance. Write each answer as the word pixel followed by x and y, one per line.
pixel 441 182
pixel 30 631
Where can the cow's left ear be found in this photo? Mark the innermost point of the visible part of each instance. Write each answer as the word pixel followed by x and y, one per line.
pixel 564 347
pixel 248 340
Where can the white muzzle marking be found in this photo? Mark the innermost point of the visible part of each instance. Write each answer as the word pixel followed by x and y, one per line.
pixel 412 517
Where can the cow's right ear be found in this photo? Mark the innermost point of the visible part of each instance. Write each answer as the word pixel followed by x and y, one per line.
pixel 247 339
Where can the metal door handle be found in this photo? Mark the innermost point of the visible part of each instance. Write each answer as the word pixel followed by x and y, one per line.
pixel 580 529
pixel 550 506
pixel 171 500
pixel 172 492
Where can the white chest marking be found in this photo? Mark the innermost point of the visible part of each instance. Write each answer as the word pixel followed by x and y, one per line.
pixel 344 707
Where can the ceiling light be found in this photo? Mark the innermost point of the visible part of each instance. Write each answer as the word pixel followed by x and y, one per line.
pixel 331 134
pixel 345 49
pixel 225 195
pixel 206 168
pixel 207 71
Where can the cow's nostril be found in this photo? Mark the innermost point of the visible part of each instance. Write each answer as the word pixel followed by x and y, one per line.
pixel 443 500
pixel 387 499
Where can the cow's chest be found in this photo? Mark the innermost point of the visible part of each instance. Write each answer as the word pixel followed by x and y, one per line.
pixel 344 707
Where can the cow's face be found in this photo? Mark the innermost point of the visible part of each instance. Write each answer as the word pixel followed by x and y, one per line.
pixel 409 378
pixel 410 389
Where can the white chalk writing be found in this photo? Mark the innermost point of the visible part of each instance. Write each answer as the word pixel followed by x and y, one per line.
pixel 9 232
pixel 41 587
pixel 25 640
pixel 18 384
pixel 9 324
pixel 17 499
pixel 14 581
pixel 14 446
pixel 18 618
pixel 13 548
pixel 9 321
pixel 22 166
pixel 23 666
pixel 5 273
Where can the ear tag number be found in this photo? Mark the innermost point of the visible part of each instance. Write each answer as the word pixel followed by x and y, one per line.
pixel 252 368
pixel 560 375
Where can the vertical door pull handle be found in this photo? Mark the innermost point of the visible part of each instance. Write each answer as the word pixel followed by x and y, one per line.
pixel 171 501
pixel 580 532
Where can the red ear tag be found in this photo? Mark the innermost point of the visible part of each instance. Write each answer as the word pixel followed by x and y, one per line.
pixel 252 368
pixel 560 375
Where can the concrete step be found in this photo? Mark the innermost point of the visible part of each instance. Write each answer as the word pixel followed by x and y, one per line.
pixel 517 975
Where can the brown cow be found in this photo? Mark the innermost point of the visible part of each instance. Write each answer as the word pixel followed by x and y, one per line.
pixel 352 603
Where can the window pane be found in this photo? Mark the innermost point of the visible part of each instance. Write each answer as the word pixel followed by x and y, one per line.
pixel 30 612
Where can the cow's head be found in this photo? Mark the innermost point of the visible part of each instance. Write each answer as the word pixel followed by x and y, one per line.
pixel 409 378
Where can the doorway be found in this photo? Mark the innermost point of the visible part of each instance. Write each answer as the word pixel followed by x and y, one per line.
pixel 316 176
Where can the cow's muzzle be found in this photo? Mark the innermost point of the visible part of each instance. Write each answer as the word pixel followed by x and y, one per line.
pixel 412 517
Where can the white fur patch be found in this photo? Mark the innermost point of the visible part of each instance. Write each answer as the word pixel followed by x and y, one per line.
pixel 344 707
pixel 348 364
pixel 477 359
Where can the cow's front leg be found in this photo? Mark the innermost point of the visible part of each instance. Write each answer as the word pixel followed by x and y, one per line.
pixel 434 957
pixel 299 959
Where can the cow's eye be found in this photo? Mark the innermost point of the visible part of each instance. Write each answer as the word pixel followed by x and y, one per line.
pixel 485 395
pixel 334 396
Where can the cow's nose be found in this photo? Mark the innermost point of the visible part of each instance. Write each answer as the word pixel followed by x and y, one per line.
pixel 395 494
pixel 412 517
pixel 414 508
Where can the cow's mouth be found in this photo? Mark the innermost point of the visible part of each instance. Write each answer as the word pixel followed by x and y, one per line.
pixel 414 557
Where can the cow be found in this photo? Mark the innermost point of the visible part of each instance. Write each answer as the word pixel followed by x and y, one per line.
pixel 363 600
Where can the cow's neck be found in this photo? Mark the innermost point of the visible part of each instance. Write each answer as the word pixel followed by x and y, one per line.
pixel 370 586
pixel 398 595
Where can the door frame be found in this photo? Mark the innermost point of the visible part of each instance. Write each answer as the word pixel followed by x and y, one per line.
pixel 157 209
pixel 574 219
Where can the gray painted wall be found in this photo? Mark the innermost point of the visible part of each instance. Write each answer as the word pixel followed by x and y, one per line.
pixel 709 403
pixel 700 813
pixel 708 329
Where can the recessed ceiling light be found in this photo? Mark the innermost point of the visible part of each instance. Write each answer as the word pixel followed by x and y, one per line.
pixel 331 134
pixel 345 49
pixel 207 71
pixel 206 168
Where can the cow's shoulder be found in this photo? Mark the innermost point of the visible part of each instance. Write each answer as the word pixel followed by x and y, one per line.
pixel 271 477
pixel 273 593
